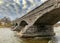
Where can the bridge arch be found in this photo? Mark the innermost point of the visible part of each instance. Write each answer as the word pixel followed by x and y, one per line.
pixel 49 18
pixel 23 23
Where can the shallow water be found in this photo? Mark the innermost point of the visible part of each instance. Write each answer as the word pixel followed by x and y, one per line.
pixel 8 36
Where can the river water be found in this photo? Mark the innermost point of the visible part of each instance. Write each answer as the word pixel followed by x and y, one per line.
pixel 8 36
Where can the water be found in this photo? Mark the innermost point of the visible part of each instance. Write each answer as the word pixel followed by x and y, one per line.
pixel 8 36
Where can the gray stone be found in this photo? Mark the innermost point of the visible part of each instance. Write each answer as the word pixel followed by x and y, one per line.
pixel 40 21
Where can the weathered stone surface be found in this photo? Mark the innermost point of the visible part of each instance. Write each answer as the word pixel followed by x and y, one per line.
pixel 37 31
pixel 41 20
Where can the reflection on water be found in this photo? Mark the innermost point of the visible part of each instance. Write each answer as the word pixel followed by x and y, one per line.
pixel 8 36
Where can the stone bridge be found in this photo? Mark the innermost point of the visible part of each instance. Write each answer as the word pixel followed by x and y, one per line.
pixel 39 22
